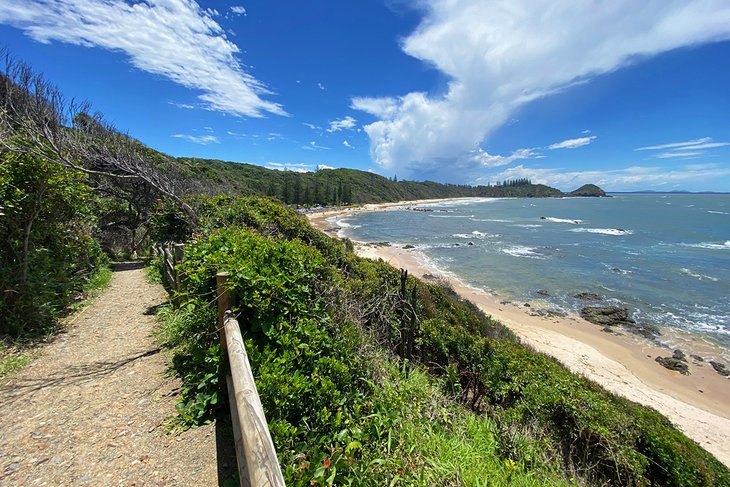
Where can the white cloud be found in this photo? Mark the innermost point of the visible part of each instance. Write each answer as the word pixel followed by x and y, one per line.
pixel 238 10
pixel 175 39
pixel 624 179
pixel 346 144
pixel 314 146
pixel 501 54
pixel 487 160
pixel 288 166
pixel 199 139
pixel 185 106
pixel 380 107
pixel 311 126
pixel 669 155
pixel 675 145
pixel 687 149
pixel 321 86
pixel 323 166
pixel 573 143
pixel 347 123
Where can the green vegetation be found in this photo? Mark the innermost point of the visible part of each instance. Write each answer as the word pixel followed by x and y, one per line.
pixel 337 186
pixel 48 252
pixel 371 377
pixel 588 190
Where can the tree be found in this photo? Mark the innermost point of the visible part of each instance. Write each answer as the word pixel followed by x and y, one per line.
pixel 37 120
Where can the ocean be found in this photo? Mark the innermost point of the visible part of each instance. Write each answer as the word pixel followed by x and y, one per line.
pixel 664 256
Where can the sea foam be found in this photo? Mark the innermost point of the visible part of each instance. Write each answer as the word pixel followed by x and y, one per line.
pixel 604 231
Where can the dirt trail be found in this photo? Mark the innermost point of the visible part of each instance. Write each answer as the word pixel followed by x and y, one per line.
pixel 90 410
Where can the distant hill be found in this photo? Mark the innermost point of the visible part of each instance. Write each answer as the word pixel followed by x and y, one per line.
pixel 589 190
pixel 338 186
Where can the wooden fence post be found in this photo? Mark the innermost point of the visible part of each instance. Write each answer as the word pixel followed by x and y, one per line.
pixel 224 304
pixel 178 251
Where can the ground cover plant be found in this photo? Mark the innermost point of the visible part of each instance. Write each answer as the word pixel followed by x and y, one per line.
pixel 369 376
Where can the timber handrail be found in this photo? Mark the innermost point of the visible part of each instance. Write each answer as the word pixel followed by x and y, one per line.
pixel 258 465
pixel 172 254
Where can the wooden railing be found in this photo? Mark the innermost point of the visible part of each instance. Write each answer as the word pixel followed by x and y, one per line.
pixel 258 465
pixel 172 254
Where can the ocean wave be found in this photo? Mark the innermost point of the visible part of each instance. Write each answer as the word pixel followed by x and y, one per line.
pixel 718 212
pixel 701 277
pixel 560 220
pixel 497 220
pixel 527 225
pixel 451 216
pixel 475 234
pixel 709 245
pixel 453 203
pixel 603 231
pixel 522 251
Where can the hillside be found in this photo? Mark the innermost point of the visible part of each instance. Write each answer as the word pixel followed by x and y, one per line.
pixel 338 186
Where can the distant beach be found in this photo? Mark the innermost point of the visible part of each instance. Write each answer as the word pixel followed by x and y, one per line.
pixel 698 404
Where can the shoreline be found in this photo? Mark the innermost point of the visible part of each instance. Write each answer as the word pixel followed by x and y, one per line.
pixel 698 404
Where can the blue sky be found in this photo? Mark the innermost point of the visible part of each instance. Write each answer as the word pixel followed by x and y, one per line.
pixel 623 94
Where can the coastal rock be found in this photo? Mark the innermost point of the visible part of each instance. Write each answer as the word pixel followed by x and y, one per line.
pixel 720 368
pixel 588 297
pixel 409 246
pixel 542 292
pixel 672 363
pixel 607 316
pixel 645 330
pixel 679 355
pixel 697 358
pixel 471 244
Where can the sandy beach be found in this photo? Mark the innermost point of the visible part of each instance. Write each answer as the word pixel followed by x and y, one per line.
pixel 698 404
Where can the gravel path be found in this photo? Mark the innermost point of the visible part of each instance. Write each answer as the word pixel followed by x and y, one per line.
pixel 90 410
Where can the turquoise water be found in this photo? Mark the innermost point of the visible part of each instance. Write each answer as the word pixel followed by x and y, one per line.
pixel 666 257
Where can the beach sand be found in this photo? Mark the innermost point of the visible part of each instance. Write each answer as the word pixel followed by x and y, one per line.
pixel 698 404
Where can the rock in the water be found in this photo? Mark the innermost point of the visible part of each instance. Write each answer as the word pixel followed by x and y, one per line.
pixel 644 329
pixel 470 244
pixel 679 355
pixel 607 316
pixel 588 296
pixel 720 368
pixel 697 358
pixel 672 363
pixel 409 246
pixel 542 292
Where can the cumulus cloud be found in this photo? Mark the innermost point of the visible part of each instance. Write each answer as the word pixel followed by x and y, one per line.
pixel 347 123
pixel 573 143
pixel 624 179
pixel 238 10
pixel 501 54
pixel 172 38
pixel 346 144
pixel 199 139
pixel 289 166
pixel 323 166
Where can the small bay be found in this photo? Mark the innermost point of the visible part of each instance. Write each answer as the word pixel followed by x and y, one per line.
pixel 664 256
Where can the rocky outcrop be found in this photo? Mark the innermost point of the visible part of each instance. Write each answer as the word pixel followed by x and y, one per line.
pixel 607 316
pixel 672 363
pixel 720 368
pixel 588 297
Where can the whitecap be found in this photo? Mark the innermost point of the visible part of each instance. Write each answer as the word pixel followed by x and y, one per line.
pixel 701 277
pixel 522 251
pixel 718 212
pixel 527 225
pixel 604 231
pixel 561 220
pixel 451 216
pixel 709 245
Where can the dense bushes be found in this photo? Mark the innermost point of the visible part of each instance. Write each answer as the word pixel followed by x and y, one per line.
pixel 47 250
pixel 324 330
